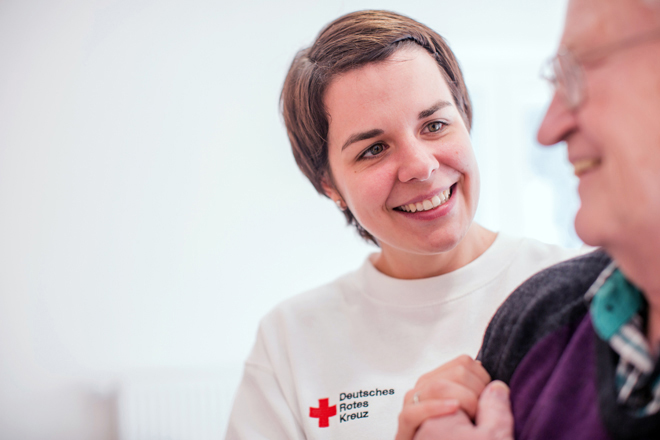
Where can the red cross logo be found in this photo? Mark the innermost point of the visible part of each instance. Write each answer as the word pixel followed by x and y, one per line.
pixel 323 412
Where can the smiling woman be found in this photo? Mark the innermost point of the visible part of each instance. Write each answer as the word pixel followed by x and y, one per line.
pixel 379 121
pixel 413 183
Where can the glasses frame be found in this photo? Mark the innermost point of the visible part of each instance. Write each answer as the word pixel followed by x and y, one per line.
pixel 565 71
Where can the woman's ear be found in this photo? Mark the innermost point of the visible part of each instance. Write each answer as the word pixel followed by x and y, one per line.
pixel 329 189
pixel 332 193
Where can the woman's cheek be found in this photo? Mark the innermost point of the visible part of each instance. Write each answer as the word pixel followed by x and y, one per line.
pixel 459 157
pixel 375 189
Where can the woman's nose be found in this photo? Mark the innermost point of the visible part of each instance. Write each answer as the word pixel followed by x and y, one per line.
pixel 417 161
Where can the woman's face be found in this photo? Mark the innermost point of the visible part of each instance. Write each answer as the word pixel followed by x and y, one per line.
pixel 400 154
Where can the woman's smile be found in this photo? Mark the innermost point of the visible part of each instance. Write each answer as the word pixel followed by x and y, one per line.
pixel 426 203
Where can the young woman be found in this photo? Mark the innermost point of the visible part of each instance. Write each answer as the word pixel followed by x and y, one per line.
pixel 379 121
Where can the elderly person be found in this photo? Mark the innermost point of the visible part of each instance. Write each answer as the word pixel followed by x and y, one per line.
pixel 379 119
pixel 579 343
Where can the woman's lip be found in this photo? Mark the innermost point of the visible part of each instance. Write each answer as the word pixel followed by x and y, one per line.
pixel 436 212
pixel 426 205
pixel 428 196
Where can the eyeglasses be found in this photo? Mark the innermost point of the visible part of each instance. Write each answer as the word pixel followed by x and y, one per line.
pixel 565 72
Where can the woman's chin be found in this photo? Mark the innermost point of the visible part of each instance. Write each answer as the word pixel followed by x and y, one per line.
pixel 425 245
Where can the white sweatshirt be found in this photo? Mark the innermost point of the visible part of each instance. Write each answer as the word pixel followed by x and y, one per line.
pixel 336 362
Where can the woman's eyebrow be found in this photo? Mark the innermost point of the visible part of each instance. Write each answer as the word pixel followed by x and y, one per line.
pixel 357 137
pixel 434 108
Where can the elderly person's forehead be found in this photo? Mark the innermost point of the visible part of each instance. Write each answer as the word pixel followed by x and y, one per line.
pixel 591 23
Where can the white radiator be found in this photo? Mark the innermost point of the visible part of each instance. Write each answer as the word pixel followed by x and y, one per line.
pixel 175 408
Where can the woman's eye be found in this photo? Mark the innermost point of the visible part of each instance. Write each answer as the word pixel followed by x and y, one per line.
pixel 435 126
pixel 374 150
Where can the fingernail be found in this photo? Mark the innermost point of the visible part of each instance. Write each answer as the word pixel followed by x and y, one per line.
pixel 499 391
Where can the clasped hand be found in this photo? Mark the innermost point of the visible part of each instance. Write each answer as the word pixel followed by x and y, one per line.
pixel 445 402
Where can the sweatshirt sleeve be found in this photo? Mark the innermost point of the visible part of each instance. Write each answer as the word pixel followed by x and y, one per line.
pixel 261 409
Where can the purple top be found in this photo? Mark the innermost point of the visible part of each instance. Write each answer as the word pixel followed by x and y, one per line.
pixel 558 369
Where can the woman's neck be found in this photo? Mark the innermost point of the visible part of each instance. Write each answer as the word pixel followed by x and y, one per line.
pixel 410 266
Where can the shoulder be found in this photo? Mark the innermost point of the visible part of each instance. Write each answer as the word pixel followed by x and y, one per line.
pixel 528 255
pixel 537 253
pixel 310 313
pixel 300 321
pixel 534 246
pixel 321 300
pixel 548 300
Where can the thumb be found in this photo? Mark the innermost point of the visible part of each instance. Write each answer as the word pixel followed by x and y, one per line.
pixel 494 412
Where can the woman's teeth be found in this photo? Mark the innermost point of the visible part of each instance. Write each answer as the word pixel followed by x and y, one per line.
pixel 584 165
pixel 431 203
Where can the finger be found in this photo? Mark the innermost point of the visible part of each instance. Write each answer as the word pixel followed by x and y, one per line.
pixel 461 369
pixel 445 389
pixel 460 360
pixel 469 377
pixel 412 416
pixel 479 370
pixel 454 426
pixel 457 375
pixel 494 414
pixel 409 398
pixel 474 366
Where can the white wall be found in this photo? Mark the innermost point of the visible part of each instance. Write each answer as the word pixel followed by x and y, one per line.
pixel 150 208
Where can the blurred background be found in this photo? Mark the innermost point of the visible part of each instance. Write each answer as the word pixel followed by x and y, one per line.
pixel 151 211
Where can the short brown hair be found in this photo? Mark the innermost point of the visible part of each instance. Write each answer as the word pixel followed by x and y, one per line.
pixel 349 42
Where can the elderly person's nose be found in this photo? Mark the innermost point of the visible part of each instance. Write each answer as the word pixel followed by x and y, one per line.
pixel 558 123
pixel 417 161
